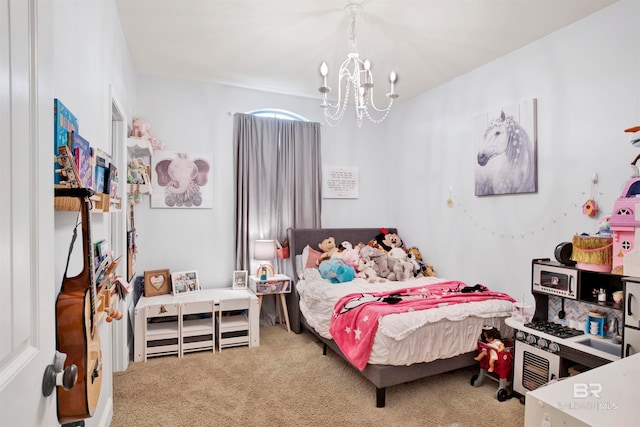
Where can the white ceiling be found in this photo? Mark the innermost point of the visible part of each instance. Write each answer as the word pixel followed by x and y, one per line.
pixel 278 46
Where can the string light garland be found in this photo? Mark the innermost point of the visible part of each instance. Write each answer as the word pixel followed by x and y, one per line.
pixel 563 215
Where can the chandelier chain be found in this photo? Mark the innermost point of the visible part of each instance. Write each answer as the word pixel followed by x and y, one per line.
pixel 352 30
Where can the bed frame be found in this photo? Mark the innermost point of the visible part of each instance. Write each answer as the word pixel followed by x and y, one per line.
pixel 382 376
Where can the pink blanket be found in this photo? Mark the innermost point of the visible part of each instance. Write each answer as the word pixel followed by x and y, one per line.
pixel 355 316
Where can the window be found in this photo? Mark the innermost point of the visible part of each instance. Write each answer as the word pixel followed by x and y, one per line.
pixel 278 114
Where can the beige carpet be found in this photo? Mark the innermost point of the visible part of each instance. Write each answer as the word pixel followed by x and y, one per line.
pixel 287 382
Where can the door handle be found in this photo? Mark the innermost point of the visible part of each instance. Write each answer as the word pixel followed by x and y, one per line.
pixel 56 374
pixel 629 304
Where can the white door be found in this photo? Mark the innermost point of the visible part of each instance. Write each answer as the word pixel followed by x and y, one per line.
pixel 27 291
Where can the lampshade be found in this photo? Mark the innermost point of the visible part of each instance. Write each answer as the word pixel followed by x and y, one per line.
pixel 264 250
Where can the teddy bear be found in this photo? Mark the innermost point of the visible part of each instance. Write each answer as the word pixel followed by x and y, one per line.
pixel 328 248
pixel 336 271
pixel 429 271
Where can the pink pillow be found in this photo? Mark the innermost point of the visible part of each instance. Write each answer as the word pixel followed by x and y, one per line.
pixel 312 258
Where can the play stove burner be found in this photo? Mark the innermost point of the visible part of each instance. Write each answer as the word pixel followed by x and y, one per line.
pixel 555 329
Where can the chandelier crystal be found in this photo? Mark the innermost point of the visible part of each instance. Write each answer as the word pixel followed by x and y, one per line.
pixel 354 79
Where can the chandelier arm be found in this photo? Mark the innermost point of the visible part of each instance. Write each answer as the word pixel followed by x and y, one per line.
pixel 339 107
pixel 380 109
pixel 327 104
pixel 338 102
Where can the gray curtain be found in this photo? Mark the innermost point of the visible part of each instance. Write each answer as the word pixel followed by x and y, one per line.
pixel 278 181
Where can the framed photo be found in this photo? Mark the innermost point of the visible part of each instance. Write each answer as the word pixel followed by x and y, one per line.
pixel 184 282
pixel 157 282
pixel 240 278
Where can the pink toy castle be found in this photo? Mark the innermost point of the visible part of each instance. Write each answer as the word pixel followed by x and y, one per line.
pixel 624 222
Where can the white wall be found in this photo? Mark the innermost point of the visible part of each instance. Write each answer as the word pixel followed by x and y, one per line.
pixel 91 61
pixel 194 117
pixel 586 78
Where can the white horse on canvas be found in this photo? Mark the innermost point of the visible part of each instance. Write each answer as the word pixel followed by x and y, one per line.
pixel 510 150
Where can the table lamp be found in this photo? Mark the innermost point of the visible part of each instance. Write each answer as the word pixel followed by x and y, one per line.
pixel 264 250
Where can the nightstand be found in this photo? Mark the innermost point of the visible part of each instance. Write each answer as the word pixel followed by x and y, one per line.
pixel 278 284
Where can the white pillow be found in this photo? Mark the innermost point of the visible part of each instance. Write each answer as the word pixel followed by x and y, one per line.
pixel 304 257
pixel 299 266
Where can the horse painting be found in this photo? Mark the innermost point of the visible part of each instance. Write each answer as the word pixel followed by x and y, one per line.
pixel 506 159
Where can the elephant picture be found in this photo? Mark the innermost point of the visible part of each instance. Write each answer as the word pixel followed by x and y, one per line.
pixel 181 180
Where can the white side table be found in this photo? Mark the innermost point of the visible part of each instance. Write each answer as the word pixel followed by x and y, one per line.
pixel 278 284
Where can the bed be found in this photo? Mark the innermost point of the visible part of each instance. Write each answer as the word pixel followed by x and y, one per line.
pixel 423 348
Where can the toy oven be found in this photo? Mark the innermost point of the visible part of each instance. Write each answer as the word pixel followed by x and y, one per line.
pixel 533 367
pixel 553 280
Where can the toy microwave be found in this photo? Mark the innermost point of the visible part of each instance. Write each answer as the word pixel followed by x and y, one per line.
pixel 554 280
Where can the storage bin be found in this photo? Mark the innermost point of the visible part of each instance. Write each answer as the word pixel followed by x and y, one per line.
pixel 593 253
pixel 272 286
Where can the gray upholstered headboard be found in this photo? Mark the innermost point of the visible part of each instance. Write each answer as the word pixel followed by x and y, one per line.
pixel 301 237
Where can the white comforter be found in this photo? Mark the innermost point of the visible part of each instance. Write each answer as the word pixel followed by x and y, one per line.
pixel 461 323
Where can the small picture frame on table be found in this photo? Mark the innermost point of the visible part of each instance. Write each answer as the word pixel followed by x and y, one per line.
pixel 157 282
pixel 184 282
pixel 240 278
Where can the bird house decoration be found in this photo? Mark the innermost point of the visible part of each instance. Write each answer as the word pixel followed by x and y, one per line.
pixel 590 208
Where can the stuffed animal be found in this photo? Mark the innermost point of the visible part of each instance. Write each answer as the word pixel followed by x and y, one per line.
pixel 336 271
pixel 429 271
pixel 415 257
pixel 138 177
pixel 142 129
pixel 365 266
pixel 402 270
pixel 379 258
pixel 388 241
pixel 397 253
pixel 328 248
pixel 136 172
pixel 350 255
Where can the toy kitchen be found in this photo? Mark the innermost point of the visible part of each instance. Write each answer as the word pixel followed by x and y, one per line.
pixel 583 319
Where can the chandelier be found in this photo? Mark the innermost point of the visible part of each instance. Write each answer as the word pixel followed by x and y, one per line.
pixel 354 78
